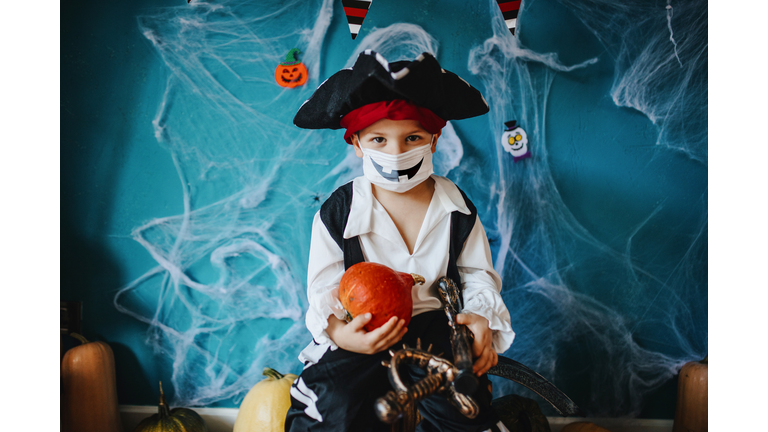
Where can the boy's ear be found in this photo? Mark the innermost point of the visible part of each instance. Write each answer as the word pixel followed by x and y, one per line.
pixel 356 144
pixel 434 142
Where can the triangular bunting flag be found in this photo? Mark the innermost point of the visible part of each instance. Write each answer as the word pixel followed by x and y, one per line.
pixel 509 10
pixel 355 11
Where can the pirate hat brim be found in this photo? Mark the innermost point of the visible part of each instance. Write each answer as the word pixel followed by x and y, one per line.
pixel 372 79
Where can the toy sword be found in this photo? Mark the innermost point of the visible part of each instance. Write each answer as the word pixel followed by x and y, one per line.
pixel 461 342
pixel 456 381
pixel 525 376
pixel 461 338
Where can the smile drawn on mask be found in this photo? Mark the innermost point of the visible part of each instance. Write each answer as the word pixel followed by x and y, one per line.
pixel 394 176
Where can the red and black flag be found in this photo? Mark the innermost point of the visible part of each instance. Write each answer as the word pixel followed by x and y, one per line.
pixel 355 11
pixel 509 10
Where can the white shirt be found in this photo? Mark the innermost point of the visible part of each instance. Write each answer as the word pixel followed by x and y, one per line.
pixel 382 243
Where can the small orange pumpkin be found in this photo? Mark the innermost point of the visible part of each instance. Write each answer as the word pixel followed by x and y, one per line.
pixel 291 72
pixel 376 288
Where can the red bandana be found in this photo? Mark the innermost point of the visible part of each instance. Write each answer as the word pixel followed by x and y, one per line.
pixel 397 109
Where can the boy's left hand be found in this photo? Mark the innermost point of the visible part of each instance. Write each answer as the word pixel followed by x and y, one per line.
pixel 482 347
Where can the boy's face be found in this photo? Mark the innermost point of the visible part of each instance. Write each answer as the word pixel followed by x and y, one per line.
pixel 393 137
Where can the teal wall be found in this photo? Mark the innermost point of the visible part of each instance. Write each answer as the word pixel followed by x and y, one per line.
pixel 644 201
pixel 114 176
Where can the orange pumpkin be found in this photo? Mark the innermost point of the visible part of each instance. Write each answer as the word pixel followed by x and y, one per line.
pixel 291 72
pixel 692 394
pixel 89 402
pixel 376 288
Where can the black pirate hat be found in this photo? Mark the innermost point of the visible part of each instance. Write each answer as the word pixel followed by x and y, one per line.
pixel 372 79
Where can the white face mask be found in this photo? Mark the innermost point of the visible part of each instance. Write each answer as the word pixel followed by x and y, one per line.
pixel 398 173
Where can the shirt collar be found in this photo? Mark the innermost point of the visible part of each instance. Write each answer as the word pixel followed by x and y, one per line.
pixel 360 220
pixel 450 196
pixel 360 216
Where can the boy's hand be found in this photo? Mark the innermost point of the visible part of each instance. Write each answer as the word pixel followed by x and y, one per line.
pixel 353 337
pixel 482 347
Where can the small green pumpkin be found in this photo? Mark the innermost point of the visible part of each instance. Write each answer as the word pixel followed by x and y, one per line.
pixel 172 420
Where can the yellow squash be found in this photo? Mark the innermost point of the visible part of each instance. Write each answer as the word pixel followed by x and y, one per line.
pixel 266 404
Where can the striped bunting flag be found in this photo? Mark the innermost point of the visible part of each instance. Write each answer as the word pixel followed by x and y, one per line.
pixel 355 11
pixel 509 10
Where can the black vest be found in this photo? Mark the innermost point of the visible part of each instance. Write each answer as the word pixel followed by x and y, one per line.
pixel 335 212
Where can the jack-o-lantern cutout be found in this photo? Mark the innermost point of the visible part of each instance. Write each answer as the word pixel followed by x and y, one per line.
pixel 291 72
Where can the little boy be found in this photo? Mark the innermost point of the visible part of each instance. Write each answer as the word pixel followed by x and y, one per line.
pixel 401 215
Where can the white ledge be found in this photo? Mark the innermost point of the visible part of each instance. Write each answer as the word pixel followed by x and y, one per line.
pixel 223 420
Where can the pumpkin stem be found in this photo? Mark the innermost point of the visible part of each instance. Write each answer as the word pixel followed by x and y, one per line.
pixel 418 279
pixel 162 408
pixel 271 373
pixel 79 337
pixel 705 359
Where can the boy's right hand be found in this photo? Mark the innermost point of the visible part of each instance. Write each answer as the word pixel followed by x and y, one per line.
pixel 353 337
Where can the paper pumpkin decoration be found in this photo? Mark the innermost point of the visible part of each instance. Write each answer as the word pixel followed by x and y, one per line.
pixel 291 72
pixel 509 10
pixel 515 141
pixel 355 10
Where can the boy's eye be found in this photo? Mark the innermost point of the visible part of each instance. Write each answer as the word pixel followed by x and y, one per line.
pixel 413 138
pixel 378 140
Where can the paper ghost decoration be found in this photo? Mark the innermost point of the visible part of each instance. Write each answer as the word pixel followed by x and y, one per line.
pixel 515 141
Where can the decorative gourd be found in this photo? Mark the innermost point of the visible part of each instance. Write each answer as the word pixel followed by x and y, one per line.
pixel 89 400
pixel 266 404
pixel 291 72
pixel 375 288
pixel 583 427
pixel 175 420
pixel 692 397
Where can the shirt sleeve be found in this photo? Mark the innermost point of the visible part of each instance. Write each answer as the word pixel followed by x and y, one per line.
pixel 324 272
pixel 482 287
